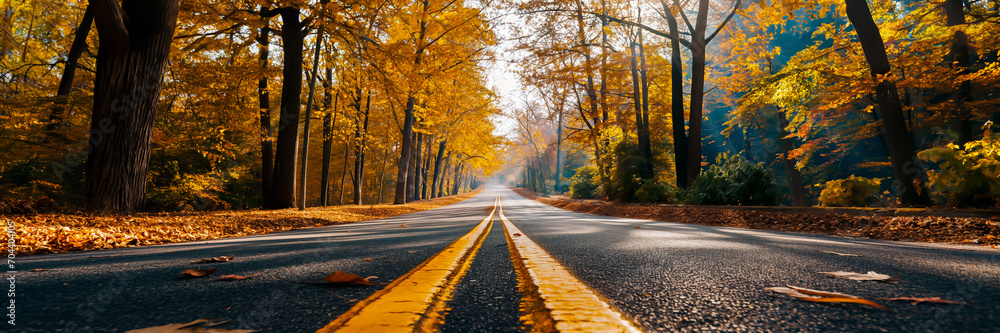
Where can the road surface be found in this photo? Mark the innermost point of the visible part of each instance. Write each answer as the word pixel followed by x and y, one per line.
pixel 658 277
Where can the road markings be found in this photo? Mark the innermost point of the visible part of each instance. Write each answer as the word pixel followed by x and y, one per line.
pixel 416 301
pixel 554 300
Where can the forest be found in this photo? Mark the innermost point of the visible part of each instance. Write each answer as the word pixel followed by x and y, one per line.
pixel 773 102
pixel 168 105
pixel 205 105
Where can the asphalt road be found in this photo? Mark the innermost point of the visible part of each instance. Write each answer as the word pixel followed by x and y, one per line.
pixel 662 276
pixel 682 277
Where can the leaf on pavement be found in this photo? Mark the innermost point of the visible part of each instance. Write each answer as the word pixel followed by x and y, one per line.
pixel 371 277
pixel 840 254
pixel 638 227
pixel 38 270
pixel 199 272
pixel 819 296
pixel 234 277
pixel 915 300
pixel 402 226
pixel 870 276
pixel 213 259
pixel 516 235
pixel 339 277
pixel 197 326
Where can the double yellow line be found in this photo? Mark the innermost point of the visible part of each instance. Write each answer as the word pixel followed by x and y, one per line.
pixel 553 300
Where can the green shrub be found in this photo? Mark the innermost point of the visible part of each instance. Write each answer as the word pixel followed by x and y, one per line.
pixel 652 191
pixel 850 192
pixel 585 183
pixel 968 177
pixel 734 181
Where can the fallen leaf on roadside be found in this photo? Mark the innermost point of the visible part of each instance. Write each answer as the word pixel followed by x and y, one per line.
pixel 402 225
pixel 213 259
pixel 870 276
pixel 516 234
pixel 339 277
pixel 638 227
pixel 915 300
pixel 38 270
pixel 371 277
pixel 197 326
pixel 199 272
pixel 819 296
pixel 234 277
pixel 840 254
pixel 368 259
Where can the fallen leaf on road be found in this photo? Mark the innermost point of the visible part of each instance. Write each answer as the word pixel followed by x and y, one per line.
pixel 819 296
pixel 870 276
pixel 638 227
pixel 199 272
pixel 840 254
pixel 213 259
pixel 915 300
pixel 339 277
pixel 371 277
pixel 516 235
pixel 197 326
pixel 38 270
pixel 234 277
pixel 368 259
pixel 402 225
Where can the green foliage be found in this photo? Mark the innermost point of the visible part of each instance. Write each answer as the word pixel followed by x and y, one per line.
pixel 652 191
pixel 625 179
pixel 734 181
pixel 585 183
pixel 850 192
pixel 968 177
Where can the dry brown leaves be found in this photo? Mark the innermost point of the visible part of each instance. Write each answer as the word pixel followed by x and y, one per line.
pixel 56 232
pixel 341 278
pixel 870 276
pixel 234 277
pixel 199 272
pixel 197 326
pixel 968 230
pixel 820 296
pixel 915 300
pixel 213 259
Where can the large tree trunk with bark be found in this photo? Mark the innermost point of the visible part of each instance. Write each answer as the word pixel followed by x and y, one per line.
pixel 359 152
pixel 444 172
pixel 283 182
pixel 794 176
pixel 959 60
pixel 904 164
pixel 328 124
pixel 134 44
pixel 698 45
pixel 677 102
pixel 437 168
pixel 266 146
pixel 417 164
pixel 428 149
pixel 304 181
pixel 404 151
pixel 69 72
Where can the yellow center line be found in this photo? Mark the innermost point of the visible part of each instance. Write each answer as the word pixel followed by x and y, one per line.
pixel 554 300
pixel 415 301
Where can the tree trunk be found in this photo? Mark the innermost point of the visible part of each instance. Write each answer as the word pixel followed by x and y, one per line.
pixel 69 71
pixel 381 178
pixel 309 107
pixel 359 153
pixel 959 60
pixel 698 44
pixel 677 103
pixel 559 171
pixel 266 145
pixel 456 182
pixel 645 141
pixel 134 44
pixel 428 149
pixel 283 182
pixel 404 151
pixel 328 125
pixel 437 168
pixel 794 176
pixel 417 166
pixel 343 174
pixel 444 171
pixel 904 166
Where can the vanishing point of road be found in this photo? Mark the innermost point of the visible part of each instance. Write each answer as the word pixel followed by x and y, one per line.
pixel 501 263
